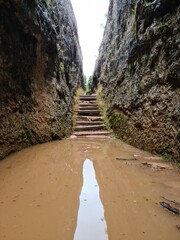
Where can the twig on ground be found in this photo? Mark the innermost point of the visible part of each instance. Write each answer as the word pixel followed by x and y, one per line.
pixel 170 208
pixel 172 201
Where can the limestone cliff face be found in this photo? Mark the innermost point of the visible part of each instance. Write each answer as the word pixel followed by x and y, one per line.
pixel 139 70
pixel 40 69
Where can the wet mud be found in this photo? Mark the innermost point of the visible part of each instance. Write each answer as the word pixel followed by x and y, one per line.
pixel 74 188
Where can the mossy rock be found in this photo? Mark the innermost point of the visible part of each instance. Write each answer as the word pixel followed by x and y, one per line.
pixel 118 122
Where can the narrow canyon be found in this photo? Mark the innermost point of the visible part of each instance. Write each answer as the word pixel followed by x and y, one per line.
pixel 97 160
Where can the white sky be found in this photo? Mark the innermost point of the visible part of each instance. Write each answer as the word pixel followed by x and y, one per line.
pixel 90 15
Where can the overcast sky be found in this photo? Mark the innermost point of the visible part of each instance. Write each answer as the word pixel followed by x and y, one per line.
pixel 90 16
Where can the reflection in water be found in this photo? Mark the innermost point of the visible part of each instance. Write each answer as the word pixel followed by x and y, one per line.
pixel 91 222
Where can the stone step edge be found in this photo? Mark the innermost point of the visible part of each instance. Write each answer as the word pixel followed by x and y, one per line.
pixel 88 105
pixel 88 108
pixel 96 136
pixel 89 111
pixel 88 102
pixel 88 99
pixel 92 95
pixel 90 118
pixel 89 122
pixel 89 127
pixel 88 96
pixel 92 133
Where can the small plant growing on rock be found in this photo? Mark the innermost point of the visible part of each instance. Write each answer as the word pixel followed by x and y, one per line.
pixel 135 21
pixel 61 67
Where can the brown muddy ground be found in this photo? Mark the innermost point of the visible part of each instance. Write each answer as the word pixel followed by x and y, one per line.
pixel 40 193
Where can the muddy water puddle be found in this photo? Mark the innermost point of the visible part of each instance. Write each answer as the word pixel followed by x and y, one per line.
pixel 53 191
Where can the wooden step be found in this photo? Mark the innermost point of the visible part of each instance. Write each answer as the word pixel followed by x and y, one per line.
pixel 88 108
pixel 88 105
pixel 89 118
pixel 89 122
pixel 97 133
pixel 87 98
pixel 90 127
pixel 96 136
pixel 88 112
pixel 88 102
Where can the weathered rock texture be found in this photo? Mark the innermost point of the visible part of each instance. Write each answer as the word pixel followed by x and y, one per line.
pixel 40 69
pixel 139 70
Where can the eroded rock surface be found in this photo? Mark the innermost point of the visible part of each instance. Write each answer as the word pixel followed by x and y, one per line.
pixel 40 69
pixel 139 70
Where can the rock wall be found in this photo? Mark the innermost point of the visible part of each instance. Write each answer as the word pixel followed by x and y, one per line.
pixel 139 70
pixel 40 70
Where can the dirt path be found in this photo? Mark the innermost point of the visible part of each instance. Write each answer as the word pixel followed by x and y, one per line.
pixel 40 189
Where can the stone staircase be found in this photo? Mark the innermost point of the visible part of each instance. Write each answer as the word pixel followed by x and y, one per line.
pixel 89 121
